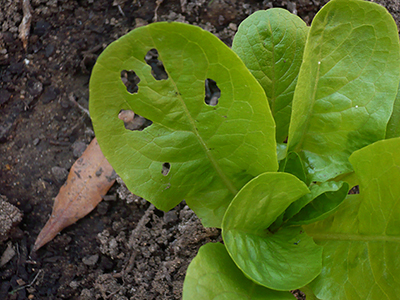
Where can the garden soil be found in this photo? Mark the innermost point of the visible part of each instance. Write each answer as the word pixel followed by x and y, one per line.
pixel 125 248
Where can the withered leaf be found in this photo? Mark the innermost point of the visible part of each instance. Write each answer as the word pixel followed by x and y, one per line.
pixel 25 25
pixel 89 179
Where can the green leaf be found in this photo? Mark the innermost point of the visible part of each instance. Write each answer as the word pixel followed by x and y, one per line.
pixel 350 178
pixel 281 151
pixel 294 165
pixel 362 239
pixel 307 291
pixel 393 127
pixel 323 200
pixel 271 44
pixel 346 87
pixel 284 260
pixel 212 275
pixel 212 151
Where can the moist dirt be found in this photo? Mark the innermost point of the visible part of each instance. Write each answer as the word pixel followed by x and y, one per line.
pixel 125 248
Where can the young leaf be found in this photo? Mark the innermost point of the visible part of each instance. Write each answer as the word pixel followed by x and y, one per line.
pixel 209 152
pixel 281 151
pixel 346 87
pixel 271 44
pixel 213 275
pixel 317 205
pixel 294 165
pixel 362 239
pixel 283 260
pixel 393 127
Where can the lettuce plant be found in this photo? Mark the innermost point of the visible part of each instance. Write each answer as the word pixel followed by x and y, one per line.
pixel 298 115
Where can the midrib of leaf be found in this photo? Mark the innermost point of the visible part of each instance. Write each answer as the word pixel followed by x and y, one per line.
pixel 307 124
pixel 273 100
pixel 263 234
pixel 232 189
pixel 353 237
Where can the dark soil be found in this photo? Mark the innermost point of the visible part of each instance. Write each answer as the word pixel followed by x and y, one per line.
pixel 124 249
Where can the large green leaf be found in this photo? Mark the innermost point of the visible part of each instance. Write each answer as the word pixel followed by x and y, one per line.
pixel 282 260
pixel 212 275
pixel 346 87
pixel 271 43
pixel 212 151
pixel 362 239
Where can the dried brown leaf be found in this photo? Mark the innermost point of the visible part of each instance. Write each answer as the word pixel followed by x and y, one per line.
pixel 89 179
pixel 25 25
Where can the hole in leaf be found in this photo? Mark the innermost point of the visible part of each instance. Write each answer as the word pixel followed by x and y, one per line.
pixel 354 190
pixel 133 121
pixel 157 67
pixel 131 80
pixel 213 93
pixel 165 168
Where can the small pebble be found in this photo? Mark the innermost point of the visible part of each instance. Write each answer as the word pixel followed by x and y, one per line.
pixel 49 50
pixel 74 284
pixel 17 68
pixel 41 27
pixel 232 26
pixel 4 96
pixel 7 255
pixel 34 88
pixel 60 174
pixel 170 217
pixel 78 148
pixel 102 208
pixel 49 94
pixel 90 260
pixel 64 104
pixel 86 294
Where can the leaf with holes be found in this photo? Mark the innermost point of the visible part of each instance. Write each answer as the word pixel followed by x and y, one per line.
pixel 213 275
pixel 180 116
pixel 211 127
pixel 346 87
pixel 362 239
pixel 271 44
